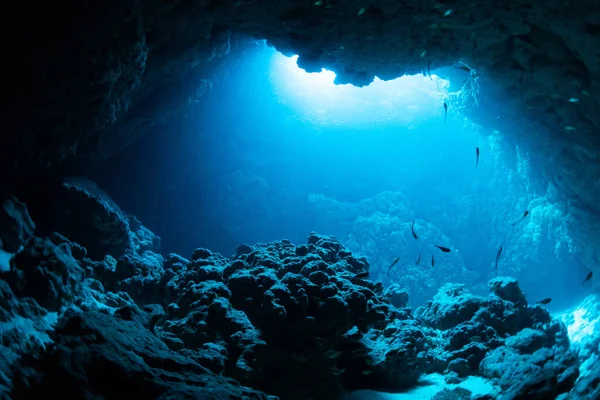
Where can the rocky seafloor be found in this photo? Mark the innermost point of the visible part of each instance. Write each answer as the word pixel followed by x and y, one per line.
pixel 97 312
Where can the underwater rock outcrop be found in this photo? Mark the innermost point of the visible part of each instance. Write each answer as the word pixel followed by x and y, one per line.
pixel 16 227
pixel 275 319
pixel 523 349
pixel 82 210
pixel 305 314
pixel 583 323
pixel 104 355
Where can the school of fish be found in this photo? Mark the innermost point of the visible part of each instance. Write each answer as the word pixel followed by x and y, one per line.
pixel 444 249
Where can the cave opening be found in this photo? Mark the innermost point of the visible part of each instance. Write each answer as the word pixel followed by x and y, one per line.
pixel 277 152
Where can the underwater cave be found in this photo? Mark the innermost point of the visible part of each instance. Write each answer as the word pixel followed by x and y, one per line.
pixel 300 200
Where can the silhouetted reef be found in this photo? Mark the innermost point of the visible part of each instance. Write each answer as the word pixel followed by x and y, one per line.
pixel 275 319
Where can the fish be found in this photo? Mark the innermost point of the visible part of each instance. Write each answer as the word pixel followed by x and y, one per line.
pixel 442 248
pixel 463 67
pixel 367 371
pixel 429 70
pixel 477 155
pixel 361 352
pixel 338 372
pixel 445 111
pixel 418 259
pixel 498 254
pixel 362 275
pixel 432 261
pixel 588 277
pixel 525 214
pixel 412 228
pixel 544 301
pixel 332 353
pixel 392 265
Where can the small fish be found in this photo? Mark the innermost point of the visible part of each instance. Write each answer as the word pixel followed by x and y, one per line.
pixel 429 70
pixel 463 67
pixel 318 3
pixel 573 100
pixel 418 259
pixel 423 53
pixel 445 111
pixel 332 354
pixel 432 261
pixel 477 155
pixel 476 339
pixel 448 12
pixel 525 214
pixel 338 372
pixel 544 301
pixel 412 228
pixel 498 254
pixel 392 265
pixel 569 128
pixel 361 352
pixel 588 277
pixel 361 11
pixel 442 248
pixel 367 371
pixel 362 275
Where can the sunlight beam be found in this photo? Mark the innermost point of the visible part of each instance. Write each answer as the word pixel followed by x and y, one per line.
pixel 316 98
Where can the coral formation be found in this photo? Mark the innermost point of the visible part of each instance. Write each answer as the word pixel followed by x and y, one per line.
pixel 276 319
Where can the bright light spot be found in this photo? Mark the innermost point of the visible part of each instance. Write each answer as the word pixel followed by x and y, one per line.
pixel 582 322
pixel 581 326
pixel 315 98
pixel 5 260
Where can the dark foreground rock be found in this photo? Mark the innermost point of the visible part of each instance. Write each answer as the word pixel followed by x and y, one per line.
pixel 297 322
pixel 82 210
pixel 16 227
pixel 523 349
pixel 107 356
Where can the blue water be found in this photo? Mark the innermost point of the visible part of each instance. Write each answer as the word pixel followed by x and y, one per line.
pixel 274 152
